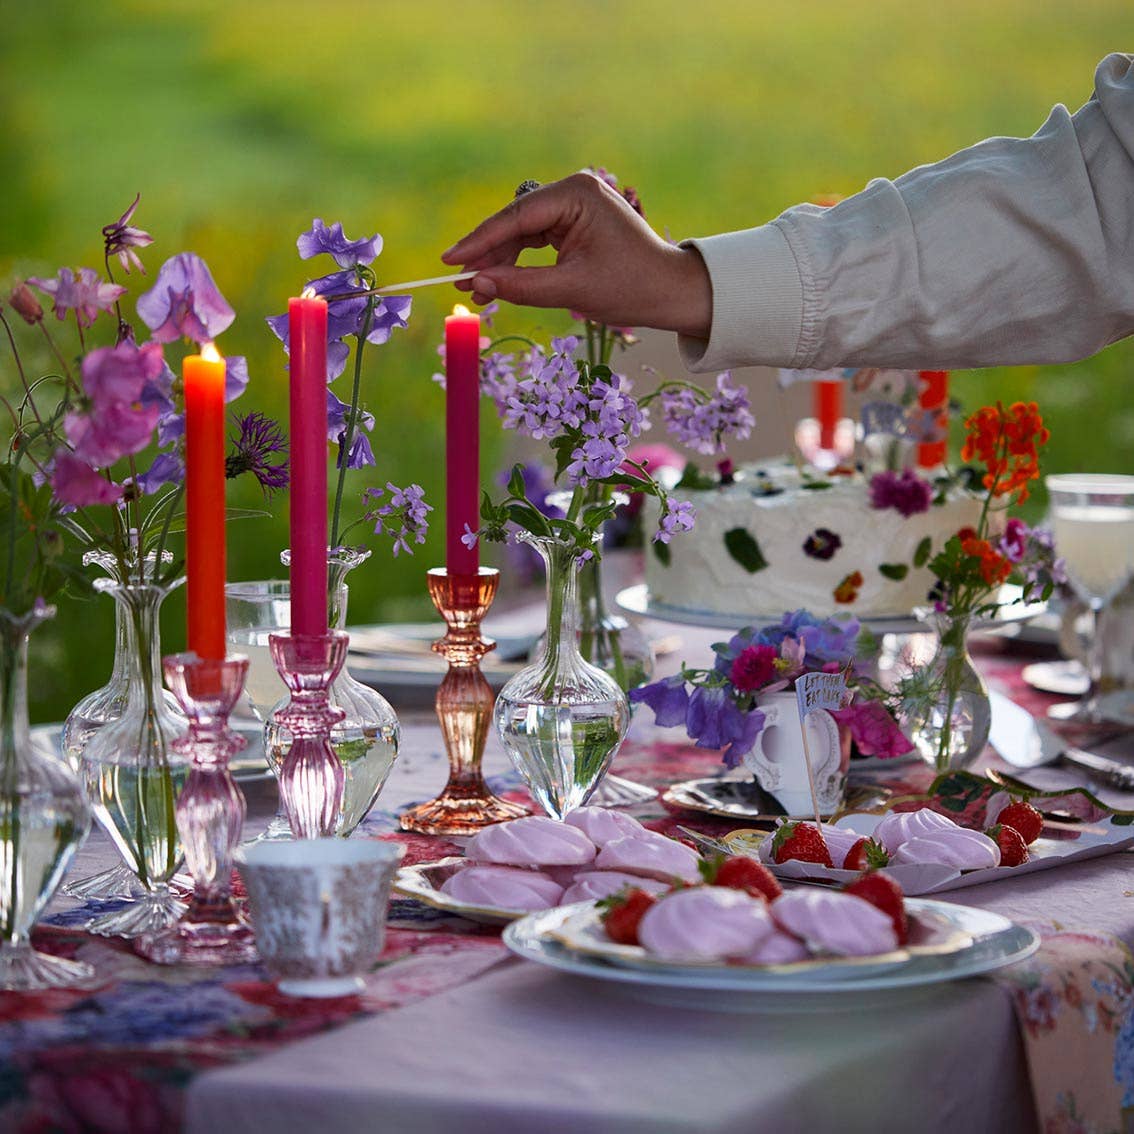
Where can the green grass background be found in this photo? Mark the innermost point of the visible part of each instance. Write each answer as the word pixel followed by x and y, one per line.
pixel 240 122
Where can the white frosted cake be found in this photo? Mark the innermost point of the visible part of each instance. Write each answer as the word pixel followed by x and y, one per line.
pixel 767 544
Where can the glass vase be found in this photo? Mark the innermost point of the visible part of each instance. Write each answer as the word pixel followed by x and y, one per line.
pixel 133 773
pixel 44 818
pixel 561 719
pixel 366 740
pixel 946 710
pixel 91 713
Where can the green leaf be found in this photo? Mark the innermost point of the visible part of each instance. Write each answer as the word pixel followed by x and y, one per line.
pixel 662 551
pixel 742 546
pixel 516 481
pixel 921 555
pixel 895 571
pixel 693 477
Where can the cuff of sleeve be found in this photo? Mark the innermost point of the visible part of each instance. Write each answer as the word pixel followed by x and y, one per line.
pixel 757 301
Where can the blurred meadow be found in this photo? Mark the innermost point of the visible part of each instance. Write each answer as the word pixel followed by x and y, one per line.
pixel 240 122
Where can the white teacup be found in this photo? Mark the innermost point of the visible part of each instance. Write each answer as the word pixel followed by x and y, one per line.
pixel 777 759
pixel 318 908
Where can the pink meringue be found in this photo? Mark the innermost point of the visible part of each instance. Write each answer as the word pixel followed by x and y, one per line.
pixel 778 948
pixel 898 826
pixel 960 848
pixel 601 824
pixel 704 923
pixel 833 922
pixel 503 887
pixel 651 855
pixel 534 840
pixel 591 885
pixel 839 840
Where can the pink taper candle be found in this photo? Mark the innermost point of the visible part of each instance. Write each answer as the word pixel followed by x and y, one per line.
pixel 307 347
pixel 462 438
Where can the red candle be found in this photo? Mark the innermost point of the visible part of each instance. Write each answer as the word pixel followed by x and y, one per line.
pixel 203 378
pixel 462 438
pixel 828 406
pixel 307 350
pixel 933 398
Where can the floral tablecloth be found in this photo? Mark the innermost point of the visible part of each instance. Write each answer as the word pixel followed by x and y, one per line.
pixel 120 1056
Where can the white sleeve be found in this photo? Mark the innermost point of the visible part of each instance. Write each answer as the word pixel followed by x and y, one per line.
pixel 1013 251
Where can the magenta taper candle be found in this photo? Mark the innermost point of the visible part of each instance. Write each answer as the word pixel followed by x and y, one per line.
pixel 462 438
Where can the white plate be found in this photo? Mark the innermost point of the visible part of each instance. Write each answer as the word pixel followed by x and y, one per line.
pixel 637 600
pixel 995 941
pixel 1089 840
pixel 423 882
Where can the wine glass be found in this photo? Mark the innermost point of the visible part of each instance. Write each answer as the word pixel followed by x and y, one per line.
pixel 1092 518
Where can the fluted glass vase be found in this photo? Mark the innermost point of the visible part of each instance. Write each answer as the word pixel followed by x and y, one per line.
pixel 366 740
pixel 133 773
pixel 44 818
pixel 946 710
pixel 561 719
pixel 98 709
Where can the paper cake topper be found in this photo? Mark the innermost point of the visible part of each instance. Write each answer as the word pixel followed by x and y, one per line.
pixel 818 691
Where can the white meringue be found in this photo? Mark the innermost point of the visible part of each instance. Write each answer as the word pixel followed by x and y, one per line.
pixel 534 840
pixel 704 923
pixel 832 922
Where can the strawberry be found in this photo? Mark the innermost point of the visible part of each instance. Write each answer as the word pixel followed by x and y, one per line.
pixel 622 913
pixel 803 841
pixel 1024 817
pixel 866 854
pixel 1013 849
pixel 739 872
pixel 882 891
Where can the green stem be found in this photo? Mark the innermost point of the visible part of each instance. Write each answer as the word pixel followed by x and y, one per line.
pixel 348 435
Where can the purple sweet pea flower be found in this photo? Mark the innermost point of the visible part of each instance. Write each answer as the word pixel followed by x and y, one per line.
pixel 77 485
pixel 86 294
pixel 168 468
pixel 346 253
pixel 668 698
pixel 714 720
pixel 185 302
pixel 235 376
pixel 360 454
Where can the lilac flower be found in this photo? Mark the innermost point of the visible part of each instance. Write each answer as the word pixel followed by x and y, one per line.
pixel 85 294
pixel 76 484
pixel 905 491
pixel 470 538
pixel 346 253
pixel 403 516
pixel 704 425
pixel 259 438
pixel 668 698
pixel 121 239
pixel 167 468
pixel 119 421
pixel 677 516
pixel 185 302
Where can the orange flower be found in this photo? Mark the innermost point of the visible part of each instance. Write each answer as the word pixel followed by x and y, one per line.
pixel 994 567
pixel 847 590
pixel 1007 443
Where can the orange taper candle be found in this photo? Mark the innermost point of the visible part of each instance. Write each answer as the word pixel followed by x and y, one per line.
pixel 933 399
pixel 203 376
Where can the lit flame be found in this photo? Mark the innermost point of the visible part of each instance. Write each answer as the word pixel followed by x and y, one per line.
pixel 308 293
pixel 460 309
pixel 210 353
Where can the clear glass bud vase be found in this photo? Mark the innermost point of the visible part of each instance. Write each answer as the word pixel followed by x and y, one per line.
pixel 133 774
pixel 366 740
pixel 44 819
pixel 946 710
pixel 560 718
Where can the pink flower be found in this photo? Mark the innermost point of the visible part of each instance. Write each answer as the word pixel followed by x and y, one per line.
pixel 753 668
pixel 75 483
pixel 873 730
pixel 1014 541
pixel 85 294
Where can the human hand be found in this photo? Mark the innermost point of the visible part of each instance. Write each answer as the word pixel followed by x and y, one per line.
pixel 611 266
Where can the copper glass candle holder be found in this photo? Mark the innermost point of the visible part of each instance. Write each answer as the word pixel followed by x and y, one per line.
pixel 311 774
pixel 210 814
pixel 464 709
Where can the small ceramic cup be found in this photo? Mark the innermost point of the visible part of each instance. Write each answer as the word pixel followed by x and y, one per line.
pixel 777 759
pixel 318 908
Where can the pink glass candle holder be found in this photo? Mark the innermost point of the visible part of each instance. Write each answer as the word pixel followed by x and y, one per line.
pixel 464 709
pixel 311 774
pixel 210 813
